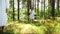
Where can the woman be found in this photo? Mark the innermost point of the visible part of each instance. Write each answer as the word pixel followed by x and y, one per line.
pixel 3 14
pixel 32 14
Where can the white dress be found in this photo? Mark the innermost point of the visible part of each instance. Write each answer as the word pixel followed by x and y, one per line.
pixel 32 13
pixel 3 15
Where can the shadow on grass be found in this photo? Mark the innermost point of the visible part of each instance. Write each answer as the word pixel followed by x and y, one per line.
pixel 36 23
pixel 7 32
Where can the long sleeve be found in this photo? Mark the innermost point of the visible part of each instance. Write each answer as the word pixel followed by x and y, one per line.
pixel 6 2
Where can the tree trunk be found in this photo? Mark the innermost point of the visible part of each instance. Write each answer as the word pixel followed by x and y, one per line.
pixel 38 7
pixel 18 11
pixel 57 4
pixel 13 12
pixel 44 10
pixel 58 7
pixel 52 8
pixel 29 7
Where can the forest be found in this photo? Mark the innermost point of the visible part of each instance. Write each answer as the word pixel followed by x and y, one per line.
pixel 46 18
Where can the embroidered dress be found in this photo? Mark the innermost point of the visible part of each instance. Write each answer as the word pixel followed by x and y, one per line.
pixel 3 14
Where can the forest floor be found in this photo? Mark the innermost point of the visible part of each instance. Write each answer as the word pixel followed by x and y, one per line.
pixel 37 27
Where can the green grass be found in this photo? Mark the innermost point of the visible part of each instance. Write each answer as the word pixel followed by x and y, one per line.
pixel 39 26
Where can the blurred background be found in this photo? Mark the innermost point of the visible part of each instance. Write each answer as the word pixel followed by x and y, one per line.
pixel 47 17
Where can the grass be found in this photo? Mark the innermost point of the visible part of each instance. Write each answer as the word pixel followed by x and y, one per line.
pixel 39 26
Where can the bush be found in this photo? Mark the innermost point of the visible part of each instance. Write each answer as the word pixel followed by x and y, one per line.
pixel 57 29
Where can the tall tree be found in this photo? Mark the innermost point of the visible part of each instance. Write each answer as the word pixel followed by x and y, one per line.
pixel 52 8
pixel 18 10
pixel 11 2
pixel 38 7
pixel 44 9
pixel 29 7
pixel 13 11
pixel 58 6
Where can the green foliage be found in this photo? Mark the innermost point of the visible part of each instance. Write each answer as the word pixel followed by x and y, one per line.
pixel 57 13
pixel 23 14
pixel 45 27
pixel 10 13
